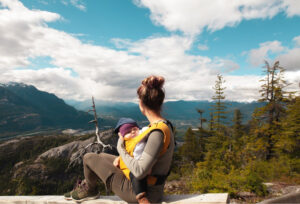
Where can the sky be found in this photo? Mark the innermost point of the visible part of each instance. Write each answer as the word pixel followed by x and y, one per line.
pixel 105 48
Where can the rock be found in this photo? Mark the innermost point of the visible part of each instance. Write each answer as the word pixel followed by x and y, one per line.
pixel 17 165
pixel 291 189
pixel 209 198
pixel 53 165
pixel 245 194
pixel 73 150
pixel 64 151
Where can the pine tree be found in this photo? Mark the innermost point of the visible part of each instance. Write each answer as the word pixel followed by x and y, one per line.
pixel 289 140
pixel 219 107
pixel 237 125
pixel 190 148
pixel 211 122
pixel 267 119
pixel 272 92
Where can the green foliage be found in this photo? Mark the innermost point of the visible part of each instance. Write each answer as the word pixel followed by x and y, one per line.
pixel 219 107
pixel 193 147
pixel 56 166
pixel 237 125
pixel 250 178
pixel 173 176
pixel 267 120
pixel 241 157
pixel 254 184
pixel 288 140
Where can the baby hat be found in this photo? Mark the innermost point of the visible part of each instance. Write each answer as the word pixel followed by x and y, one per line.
pixel 123 121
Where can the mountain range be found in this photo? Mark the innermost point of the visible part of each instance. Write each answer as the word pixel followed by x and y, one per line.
pixel 24 108
pixel 182 113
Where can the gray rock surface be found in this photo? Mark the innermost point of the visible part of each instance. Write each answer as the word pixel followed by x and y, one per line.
pixel 209 198
pixel 64 151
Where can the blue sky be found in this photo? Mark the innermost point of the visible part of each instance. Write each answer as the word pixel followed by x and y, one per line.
pixel 79 48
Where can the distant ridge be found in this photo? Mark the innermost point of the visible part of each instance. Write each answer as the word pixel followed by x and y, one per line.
pixel 25 108
pixel 179 111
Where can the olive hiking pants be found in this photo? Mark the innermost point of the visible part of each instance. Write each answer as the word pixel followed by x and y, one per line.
pixel 101 166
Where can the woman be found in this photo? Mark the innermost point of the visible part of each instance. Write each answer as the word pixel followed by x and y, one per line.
pixel 154 162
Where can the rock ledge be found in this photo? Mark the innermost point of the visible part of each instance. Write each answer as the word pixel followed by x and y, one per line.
pixel 209 198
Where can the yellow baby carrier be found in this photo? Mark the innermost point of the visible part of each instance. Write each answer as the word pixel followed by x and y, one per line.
pixel 132 142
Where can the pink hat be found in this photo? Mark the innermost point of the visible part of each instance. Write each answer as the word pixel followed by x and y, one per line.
pixel 126 128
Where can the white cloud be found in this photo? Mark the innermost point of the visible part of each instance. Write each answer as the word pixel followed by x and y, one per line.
pixel 78 4
pixel 106 73
pixel 202 47
pixel 242 88
pixel 257 56
pixel 192 16
pixel 292 7
pixel 224 65
pixel 17 31
pixel 291 59
pixel 297 41
pixel 288 58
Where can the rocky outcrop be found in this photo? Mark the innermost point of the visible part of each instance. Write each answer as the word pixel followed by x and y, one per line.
pixel 50 172
pixel 64 151
pixel 73 150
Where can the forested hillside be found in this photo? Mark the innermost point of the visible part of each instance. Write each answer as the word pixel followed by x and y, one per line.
pixel 240 157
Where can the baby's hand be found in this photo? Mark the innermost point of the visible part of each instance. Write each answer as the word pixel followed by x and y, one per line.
pixel 116 162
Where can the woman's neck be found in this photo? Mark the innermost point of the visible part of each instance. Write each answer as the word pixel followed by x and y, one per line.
pixel 153 116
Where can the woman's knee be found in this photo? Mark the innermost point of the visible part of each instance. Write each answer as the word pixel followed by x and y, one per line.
pixel 88 157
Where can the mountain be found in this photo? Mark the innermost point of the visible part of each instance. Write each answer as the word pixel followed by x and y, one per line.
pixel 110 108
pixel 183 113
pixel 25 108
pixel 186 110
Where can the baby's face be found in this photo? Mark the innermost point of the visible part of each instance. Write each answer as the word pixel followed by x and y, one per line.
pixel 134 132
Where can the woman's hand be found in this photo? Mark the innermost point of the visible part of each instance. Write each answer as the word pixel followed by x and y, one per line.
pixel 121 137
pixel 120 142
pixel 116 162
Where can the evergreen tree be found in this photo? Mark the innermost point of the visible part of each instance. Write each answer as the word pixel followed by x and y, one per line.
pixel 267 119
pixel 190 149
pixel 211 122
pixel 219 107
pixel 238 135
pixel 289 141
pixel 272 92
pixel 237 125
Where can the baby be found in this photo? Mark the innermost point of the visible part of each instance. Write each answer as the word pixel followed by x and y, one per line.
pixel 128 128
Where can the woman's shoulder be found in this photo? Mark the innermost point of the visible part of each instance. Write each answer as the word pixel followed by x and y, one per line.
pixel 156 135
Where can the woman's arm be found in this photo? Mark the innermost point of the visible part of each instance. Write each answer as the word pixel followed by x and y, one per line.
pixel 140 168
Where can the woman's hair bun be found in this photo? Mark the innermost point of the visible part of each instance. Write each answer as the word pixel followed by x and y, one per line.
pixel 151 92
pixel 154 82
